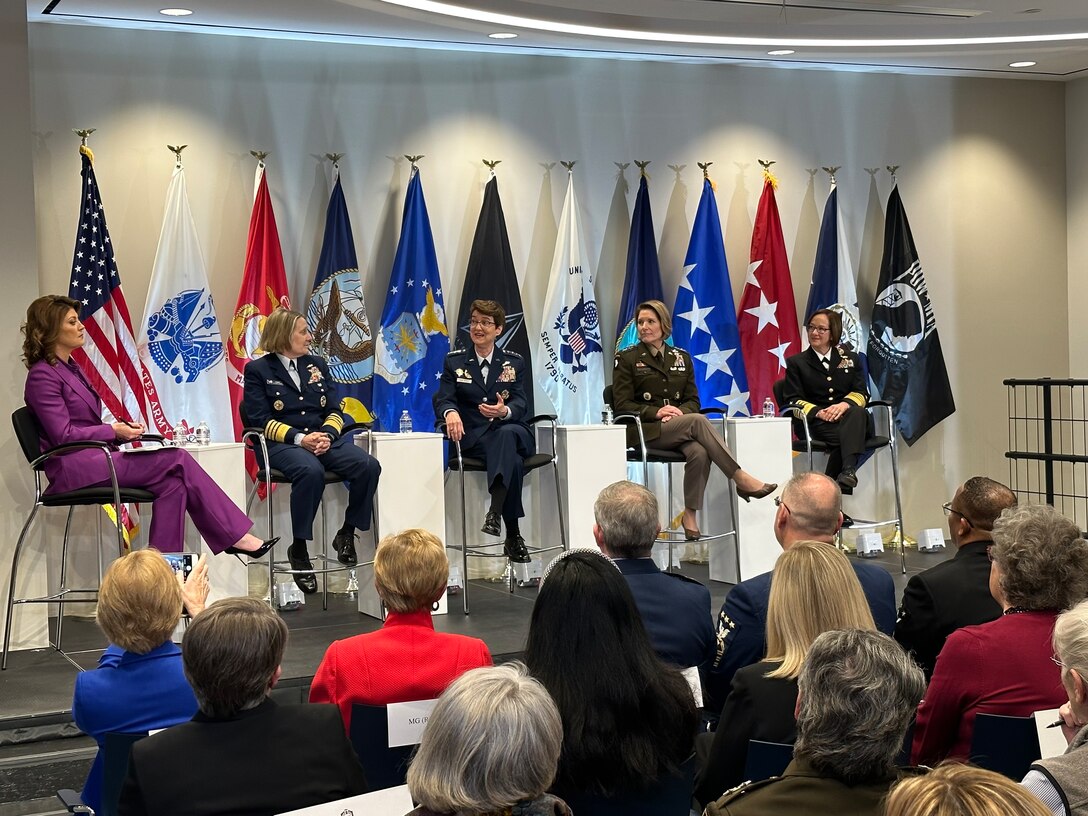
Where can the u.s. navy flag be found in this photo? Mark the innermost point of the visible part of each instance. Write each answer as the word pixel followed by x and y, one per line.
pixel 570 329
pixel 643 279
pixel 180 343
pixel 905 358
pixel 832 285
pixel 413 340
pixel 704 321
pixel 337 312
pixel 491 276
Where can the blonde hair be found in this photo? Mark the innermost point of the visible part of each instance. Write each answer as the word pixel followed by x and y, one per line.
pixel 953 789
pixel 277 330
pixel 139 602
pixel 410 570
pixel 662 312
pixel 813 590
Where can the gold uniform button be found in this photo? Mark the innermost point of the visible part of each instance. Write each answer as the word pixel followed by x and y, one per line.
pixel 829 379
pixel 303 413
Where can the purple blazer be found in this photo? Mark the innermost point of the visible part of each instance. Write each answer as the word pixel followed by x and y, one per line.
pixel 68 411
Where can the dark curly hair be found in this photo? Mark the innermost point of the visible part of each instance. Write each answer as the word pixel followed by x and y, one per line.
pixel 42 327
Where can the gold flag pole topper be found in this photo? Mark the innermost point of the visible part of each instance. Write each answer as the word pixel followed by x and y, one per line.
pixel 83 133
pixel 891 169
pixel 569 165
pixel 260 156
pixel 492 164
pixel 831 171
pixel 642 165
pixel 335 159
pixel 767 174
pixel 177 153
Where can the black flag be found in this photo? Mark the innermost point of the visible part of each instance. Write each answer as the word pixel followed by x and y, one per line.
pixel 905 358
pixel 491 276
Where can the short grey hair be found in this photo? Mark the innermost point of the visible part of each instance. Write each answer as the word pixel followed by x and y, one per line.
pixel 626 512
pixel 858 691
pixel 230 654
pixel 1042 558
pixel 815 503
pixel 1071 639
pixel 493 740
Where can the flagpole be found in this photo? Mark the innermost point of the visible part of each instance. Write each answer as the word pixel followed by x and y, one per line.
pixel 831 171
pixel 335 159
pixel 177 154
pixel 492 164
pixel 891 169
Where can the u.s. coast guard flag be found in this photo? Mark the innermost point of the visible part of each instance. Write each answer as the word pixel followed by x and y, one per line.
pixel 704 320
pixel 413 341
pixel 180 343
pixel 643 279
pixel 832 285
pixel 337 312
pixel 570 355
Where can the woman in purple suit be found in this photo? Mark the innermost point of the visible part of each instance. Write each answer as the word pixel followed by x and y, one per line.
pixel 68 410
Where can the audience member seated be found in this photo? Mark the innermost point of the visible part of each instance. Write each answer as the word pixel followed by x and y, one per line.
pixel 809 510
pixel 855 696
pixel 955 593
pixel 953 789
pixel 406 659
pixel 139 684
pixel 629 719
pixel 490 747
pixel 674 608
pixel 1060 782
pixel 814 591
pixel 242 754
pixel 1040 567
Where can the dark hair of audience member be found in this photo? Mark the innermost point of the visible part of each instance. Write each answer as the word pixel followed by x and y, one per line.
pixel 628 718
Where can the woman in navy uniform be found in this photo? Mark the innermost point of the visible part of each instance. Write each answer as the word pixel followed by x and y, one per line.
pixel 289 393
pixel 657 382
pixel 481 399
pixel 826 381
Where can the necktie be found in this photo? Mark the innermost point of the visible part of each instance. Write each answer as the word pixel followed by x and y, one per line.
pixel 292 369
pixel 827 363
pixel 483 369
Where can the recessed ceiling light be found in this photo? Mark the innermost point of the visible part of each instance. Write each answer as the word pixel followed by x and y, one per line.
pixel 176 12
pixel 781 52
pixel 503 35
pixel 1024 64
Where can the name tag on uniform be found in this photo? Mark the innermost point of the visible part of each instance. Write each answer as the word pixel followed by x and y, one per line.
pixel 464 379
pixel 273 382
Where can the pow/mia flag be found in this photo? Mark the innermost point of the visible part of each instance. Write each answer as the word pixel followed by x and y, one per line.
pixel 905 358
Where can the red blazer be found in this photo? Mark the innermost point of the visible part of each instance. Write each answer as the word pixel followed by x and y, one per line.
pixel 404 660
pixel 1001 667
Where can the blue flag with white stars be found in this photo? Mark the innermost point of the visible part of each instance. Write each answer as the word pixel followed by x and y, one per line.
pixel 643 279
pixel 413 340
pixel 704 319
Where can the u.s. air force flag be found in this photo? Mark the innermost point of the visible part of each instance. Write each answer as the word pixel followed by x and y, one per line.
pixel 337 312
pixel 570 351
pixel 905 358
pixel 179 340
pixel 413 340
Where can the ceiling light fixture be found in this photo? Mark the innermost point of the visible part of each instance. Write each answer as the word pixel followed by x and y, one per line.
pixel 781 52
pixel 503 35
pixel 1024 64
pixel 176 12
pixel 514 21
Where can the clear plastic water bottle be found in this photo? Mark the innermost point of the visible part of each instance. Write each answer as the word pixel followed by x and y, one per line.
pixel 179 434
pixel 203 434
pixel 606 415
pixel 768 408
pixel 405 422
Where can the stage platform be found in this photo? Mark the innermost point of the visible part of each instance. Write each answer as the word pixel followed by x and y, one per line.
pixel 41 749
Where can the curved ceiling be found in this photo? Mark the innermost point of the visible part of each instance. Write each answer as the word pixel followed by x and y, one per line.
pixel 945 36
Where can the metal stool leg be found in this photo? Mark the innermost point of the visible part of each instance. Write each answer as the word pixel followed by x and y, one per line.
pixel 898 502
pixel 464 543
pixel 64 573
pixel 11 585
pixel 325 562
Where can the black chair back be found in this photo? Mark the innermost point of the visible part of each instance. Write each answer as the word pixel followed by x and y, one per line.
pixel 1007 745
pixel 608 395
pixel 766 759
pixel 28 432
pixel 116 750
pixel 384 767
pixel 670 796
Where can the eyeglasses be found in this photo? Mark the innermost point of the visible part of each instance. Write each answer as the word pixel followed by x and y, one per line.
pixel 779 503
pixel 949 509
pixel 481 324
pixel 818 329
pixel 1057 661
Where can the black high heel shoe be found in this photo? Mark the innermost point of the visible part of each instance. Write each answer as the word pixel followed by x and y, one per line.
pixel 257 553
pixel 766 490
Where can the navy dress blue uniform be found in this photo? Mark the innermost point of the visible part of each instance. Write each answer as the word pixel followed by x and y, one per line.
pixel 742 623
pixel 287 413
pixel 501 443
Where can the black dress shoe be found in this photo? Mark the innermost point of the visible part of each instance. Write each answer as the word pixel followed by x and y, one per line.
pixel 306 581
pixel 491 523
pixel 848 478
pixel 515 550
pixel 344 544
pixel 847 521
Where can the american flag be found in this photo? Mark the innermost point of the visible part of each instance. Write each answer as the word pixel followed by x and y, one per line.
pixel 108 359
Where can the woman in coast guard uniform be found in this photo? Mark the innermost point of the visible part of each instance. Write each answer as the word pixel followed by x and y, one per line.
pixel 289 393
pixel 68 410
pixel 657 382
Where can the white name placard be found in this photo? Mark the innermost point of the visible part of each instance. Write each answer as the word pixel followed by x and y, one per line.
pixel 407 721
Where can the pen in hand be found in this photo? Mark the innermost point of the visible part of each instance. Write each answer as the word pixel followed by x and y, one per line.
pixel 1056 724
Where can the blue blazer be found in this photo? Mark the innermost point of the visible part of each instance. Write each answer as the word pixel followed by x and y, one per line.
pixel 742 622
pixel 130 693
pixel 463 388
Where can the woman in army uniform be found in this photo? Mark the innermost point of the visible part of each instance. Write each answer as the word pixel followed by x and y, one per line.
pixel 657 382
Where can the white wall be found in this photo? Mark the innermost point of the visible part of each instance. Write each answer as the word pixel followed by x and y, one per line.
pixel 982 176
pixel 1076 203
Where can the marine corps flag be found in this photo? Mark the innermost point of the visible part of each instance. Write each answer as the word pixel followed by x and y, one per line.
pixel 491 276
pixel 769 331
pixel 643 279
pixel 905 358
pixel 337 312
pixel 413 340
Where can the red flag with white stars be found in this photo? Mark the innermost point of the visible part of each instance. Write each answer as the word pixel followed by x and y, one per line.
pixel 767 318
